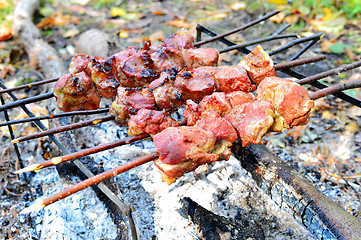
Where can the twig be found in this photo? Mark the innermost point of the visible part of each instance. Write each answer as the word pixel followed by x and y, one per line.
pixel 335 88
pixel 26 101
pixel 72 156
pixel 30 85
pixel 302 61
pixel 89 182
pixel 259 40
pixel 57 115
pixel 331 72
pixel 250 24
pixel 89 122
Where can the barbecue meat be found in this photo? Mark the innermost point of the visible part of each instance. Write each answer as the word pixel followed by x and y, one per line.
pixel 120 57
pixel 194 58
pixel 182 149
pixel 230 79
pixel 76 92
pixel 291 101
pixel 103 74
pixel 258 65
pixel 220 127
pixel 166 59
pixel 196 83
pixel 137 70
pixel 252 120
pixel 130 101
pixel 149 121
pixel 238 98
pixel 165 94
pixel 80 63
pixel 192 113
pixel 179 40
pixel 216 102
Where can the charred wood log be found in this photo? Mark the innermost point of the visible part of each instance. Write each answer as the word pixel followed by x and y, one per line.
pixel 297 196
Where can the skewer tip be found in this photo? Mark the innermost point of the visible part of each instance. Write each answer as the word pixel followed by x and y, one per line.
pixel 38 205
pixel 95 122
pixel 15 141
pixel 30 168
pixel 56 160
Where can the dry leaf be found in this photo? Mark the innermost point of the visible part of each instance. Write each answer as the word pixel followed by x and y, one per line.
pixel 325 45
pixel 115 11
pixel 328 15
pixel 278 18
pixel 352 127
pixel 327 115
pixel 291 19
pixel 123 34
pixel 158 12
pixel 179 24
pixel 320 104
pixel 358 160
pixel 5 31
pixel 236 6
pixel 219 15
pixel 157 36
pixel 29 130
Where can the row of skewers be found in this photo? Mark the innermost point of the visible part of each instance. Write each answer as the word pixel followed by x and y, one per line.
pixel 220 107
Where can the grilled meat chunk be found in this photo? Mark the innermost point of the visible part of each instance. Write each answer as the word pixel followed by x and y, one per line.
pixel 196 83
pixel 165 94
pixel 149 121
pixel 230 79
pixel 182 149
pixel 167 59
pixel 137 70
pixel 129 101
pixel 120 57
pixel 194 58
pixel 238 98
pixel 252 120
pixel 291 101
pixel 217 102
pixel 104 75
pixel 80 62
pixel 258 65
pixel 220 127
pixel 179 40
pixel 76 92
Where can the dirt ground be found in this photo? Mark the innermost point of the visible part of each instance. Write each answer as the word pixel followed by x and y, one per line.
pixel 327 150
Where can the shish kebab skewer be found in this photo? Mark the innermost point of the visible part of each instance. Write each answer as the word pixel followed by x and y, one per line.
pixel 57 160
pixel 121 114
pixel 132 164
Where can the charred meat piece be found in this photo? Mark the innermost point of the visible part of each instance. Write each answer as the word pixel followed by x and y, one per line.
pixel 165 94
pixel 238 98
pixel 137 70
pixel 230 79
pixel 180 40
pixel 194 58
pixel 80 63
pixel 217 102
pixel 258 65
pixel 182 149
pixel 76 92
pixel 196 83
pixel 220 127
pixel 291 101
pixel 129 101
pixel 166 59
pixel 252 120
pixel 120 57
pixel 149 121
pixel 103 74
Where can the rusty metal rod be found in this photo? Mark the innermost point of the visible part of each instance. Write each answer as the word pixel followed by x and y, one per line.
pixel 47 132
pixel 250 24
pixel 331 72
pixel 295 42
pixel 335 88
pixel 257 41
pixel 26 101
pixel 57 115
pixel 90 181
pixel 86 152
pixel 30 85
pixel 304 49
pixel 298 62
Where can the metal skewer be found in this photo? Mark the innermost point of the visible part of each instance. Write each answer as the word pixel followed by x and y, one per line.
pixel 335 88
pixel 30 85
pixel 26 101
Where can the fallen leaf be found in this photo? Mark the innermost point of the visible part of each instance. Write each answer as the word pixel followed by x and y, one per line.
pixel 291 19
pixel 278 18
pixel 327 115
pixel 325 45
pixel 5 31
pixel 358 160
pixel 278 2
pixel 71 33
pixel 328 14
pixel 29 130
pixel 220 15
pixel 80 2
pixel 179 23
pixel 335 24
pixel 157 36
pixel 123 34
pixel 116 11
pixel 352 127
pixel 339 48
pixel 236 6
pixel 320 104
pixel 158 12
